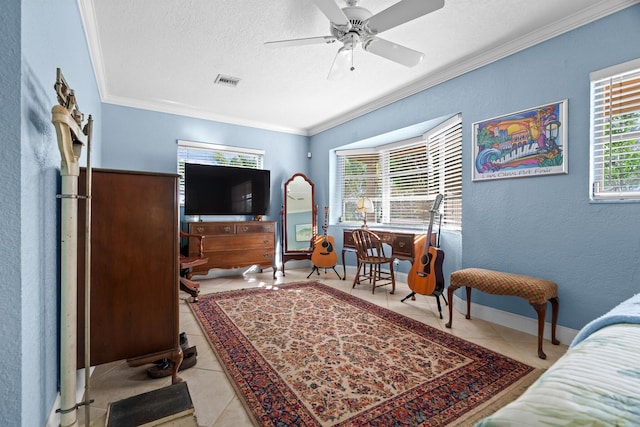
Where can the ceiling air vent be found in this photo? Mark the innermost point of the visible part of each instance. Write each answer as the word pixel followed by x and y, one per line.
pixel 227 80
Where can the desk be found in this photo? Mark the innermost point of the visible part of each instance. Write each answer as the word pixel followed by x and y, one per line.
pixel 404 244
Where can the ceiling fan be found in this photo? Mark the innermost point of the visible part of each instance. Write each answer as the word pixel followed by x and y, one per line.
pixel 354 25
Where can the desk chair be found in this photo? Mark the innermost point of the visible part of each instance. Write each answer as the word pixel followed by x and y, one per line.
pixel 370 253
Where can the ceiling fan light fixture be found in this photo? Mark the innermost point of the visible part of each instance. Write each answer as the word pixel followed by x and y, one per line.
pixel 343 60
pixel 341 64
pixel 354 24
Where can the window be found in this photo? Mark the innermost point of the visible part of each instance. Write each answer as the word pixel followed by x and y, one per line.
pixel 402 179
pixel 211 154
pixel 615 132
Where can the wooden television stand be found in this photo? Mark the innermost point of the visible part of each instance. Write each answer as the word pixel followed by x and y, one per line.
pixel 235 244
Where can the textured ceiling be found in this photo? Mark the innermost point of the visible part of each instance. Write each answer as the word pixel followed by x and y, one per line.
pixel 164 55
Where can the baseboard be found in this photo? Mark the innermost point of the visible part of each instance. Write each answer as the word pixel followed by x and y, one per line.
pixel 54 417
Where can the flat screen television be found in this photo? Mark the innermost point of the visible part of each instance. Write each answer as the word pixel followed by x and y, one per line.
pixel 225 190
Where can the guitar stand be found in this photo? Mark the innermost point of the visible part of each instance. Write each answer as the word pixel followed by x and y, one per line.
pixel 316 268
pixel 412 295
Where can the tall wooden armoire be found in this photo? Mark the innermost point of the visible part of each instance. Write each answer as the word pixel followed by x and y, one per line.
pixel 134 267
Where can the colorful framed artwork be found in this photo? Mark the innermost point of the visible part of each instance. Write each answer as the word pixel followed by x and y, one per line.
pixel 527 143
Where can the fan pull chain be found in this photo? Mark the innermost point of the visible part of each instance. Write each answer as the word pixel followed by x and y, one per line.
pixel 353 53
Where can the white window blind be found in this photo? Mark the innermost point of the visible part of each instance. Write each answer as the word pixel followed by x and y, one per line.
pixel 359 176
pixel 212 154
pixel 445 170
pixel 409 187
pixel 615 133
pixel 403 179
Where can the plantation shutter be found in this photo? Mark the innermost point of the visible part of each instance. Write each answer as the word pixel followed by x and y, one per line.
pixel 615 133
pixel 212 154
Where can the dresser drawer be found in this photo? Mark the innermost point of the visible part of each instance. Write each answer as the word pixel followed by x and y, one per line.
pixel 347 239
pixel 238 242
pixel 212 228
pixel 403 245
pixel 255 227
pixel 239 258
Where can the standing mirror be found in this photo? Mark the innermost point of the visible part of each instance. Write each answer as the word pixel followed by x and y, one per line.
pixel 299 213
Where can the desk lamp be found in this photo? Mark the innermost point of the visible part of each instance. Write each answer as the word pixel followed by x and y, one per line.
pixel 365 206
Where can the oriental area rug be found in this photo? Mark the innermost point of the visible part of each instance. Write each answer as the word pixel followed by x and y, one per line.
pixel 306 354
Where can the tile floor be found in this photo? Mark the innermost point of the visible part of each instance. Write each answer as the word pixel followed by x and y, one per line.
pixel 216 404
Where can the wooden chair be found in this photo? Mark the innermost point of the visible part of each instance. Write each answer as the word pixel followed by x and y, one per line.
pixel 187 264
pixel 370 253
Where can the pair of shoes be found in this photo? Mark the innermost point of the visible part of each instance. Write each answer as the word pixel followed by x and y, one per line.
pixel 184 342
pixel 166 368
pixel 184 345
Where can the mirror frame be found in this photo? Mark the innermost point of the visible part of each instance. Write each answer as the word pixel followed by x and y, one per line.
pixel 312 211
pixel 289 254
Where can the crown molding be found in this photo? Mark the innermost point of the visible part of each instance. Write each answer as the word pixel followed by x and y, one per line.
pixel 88 18
pixel 183 110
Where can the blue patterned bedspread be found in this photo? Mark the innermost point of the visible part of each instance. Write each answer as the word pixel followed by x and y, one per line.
pixel 596 383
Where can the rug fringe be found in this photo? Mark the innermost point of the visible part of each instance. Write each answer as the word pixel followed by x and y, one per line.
pixel 251 288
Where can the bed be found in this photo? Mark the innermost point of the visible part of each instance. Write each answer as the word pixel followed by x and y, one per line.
pixel 596 383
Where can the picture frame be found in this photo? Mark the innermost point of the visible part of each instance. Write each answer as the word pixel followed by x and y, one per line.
pixel 304 232
pixel 526 143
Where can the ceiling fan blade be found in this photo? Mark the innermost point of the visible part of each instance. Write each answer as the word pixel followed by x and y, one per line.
pixel 394 52
pixel 333 12
pixel 341 64
pixel 301 42
pixel 401 12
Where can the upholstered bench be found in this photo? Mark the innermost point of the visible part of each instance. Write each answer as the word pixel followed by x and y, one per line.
pixel 536 291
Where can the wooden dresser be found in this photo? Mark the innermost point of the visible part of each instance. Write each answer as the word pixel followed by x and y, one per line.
pixel 134 267
pixel 235 244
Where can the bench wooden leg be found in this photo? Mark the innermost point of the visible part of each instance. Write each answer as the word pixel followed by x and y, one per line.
pixel 450 290
pixel 541 309
pixel 555 307
pixel 468 316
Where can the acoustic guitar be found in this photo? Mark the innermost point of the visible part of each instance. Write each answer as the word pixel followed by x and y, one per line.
pixel 324 255
pixel 425 276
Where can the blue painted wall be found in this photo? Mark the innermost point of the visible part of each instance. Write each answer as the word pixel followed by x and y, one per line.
pixel 542 226
pixel 10 244
pixel 37 37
